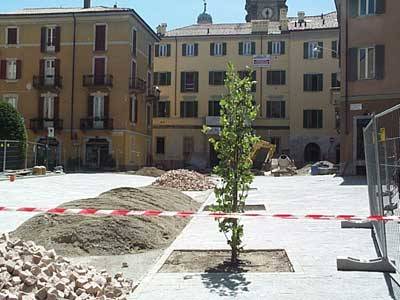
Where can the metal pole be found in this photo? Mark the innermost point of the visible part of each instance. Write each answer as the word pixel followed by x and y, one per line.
pixel 4 156
pixel 26 155
pixel 35 148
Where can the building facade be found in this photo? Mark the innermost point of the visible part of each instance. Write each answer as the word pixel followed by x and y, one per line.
pixel 369 36
pixel 86 74
pixel 294 93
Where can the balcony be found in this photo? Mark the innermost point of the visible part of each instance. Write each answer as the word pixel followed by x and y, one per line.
pixel 98 81
pixel 46 83
pixel 137 85
pixel 39 124
pixel 153 93
pixel 97 124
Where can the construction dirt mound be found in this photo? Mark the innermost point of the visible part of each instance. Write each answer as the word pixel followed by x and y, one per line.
pixel 185 180
pixel 150 171
pixel 74 235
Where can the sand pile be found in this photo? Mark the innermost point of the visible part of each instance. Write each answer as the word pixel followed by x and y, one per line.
pixel 74 235
pixel 185 180
pixel 150 171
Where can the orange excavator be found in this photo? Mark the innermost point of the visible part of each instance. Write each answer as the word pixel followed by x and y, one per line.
pixel 262 155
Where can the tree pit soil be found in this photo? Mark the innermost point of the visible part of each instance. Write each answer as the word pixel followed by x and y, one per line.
pixel 75 235
pixel 218 261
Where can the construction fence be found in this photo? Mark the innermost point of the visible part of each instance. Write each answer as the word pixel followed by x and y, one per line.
pixel 382 151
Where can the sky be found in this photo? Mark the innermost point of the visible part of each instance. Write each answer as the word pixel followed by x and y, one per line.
pixel 178 13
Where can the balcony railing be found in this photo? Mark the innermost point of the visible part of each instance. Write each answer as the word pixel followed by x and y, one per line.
pixel 213 121
pixel 97 124
pixel 153 93
pixel 47 82
pixel 42 124
pixel 137 85
pixel 98 80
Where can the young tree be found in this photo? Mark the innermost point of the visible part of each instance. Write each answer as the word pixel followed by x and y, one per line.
pixel 234 146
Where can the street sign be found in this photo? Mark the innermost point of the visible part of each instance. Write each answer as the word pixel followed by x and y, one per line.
pixel 262 61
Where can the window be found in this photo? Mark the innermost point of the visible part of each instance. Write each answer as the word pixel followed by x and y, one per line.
pixel 189 82
pixel 51 36
pixel 312 119
pixel 247 48
pixel 11 99
pixel 214 108
pixel 189 109
pixel 134 42
pixel 335 80
pixel 163 50
pixel 11 69
pixel 276 77
pixel 48 108
pixel 190 49
pixel 133 113
pixel 276 109
pixel 313 50
pixel 162 109
pixel 100 37
pixel 367 7
pixel 218 49
pixel 12 35
pixel 366 63
pixel 243 74
pixel 335 49
pixel 160 145
pixel 276 48
pixel 148 115
pixel 313 82
pixel 188 147
pixel 217 77
pixel 162 78
pixel 98 107
pixel 150 56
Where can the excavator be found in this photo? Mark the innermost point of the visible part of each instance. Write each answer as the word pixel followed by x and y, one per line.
pixel 262 155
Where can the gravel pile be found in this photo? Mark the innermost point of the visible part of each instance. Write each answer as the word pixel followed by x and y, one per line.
pixel 30 272
pixel 185 180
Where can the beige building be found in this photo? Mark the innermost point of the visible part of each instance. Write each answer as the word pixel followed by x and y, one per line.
pixel 294 92
pixel 83 73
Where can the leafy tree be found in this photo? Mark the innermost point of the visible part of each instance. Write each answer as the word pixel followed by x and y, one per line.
pixel 234 146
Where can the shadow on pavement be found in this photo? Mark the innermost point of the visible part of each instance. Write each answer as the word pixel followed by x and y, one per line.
pixel 228 284
pixel 354 180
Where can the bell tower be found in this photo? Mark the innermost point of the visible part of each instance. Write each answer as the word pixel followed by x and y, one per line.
pixel 264 9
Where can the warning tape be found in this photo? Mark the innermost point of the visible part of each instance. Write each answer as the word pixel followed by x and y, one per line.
pixel 187 214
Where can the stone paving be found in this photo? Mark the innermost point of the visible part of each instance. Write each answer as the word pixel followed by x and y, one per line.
pixel 312 246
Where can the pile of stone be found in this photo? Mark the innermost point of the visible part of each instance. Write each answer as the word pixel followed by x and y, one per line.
pixel 29 272
pixel 185 180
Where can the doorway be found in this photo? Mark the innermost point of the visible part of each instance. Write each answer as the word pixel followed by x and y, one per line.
pixel 98 154
pixel 312 153
pixel 49 72
pixel 99 70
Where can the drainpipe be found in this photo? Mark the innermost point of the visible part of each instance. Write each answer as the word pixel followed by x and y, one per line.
pixel 176 75
pixel 261 83
pixel 346 80
pixel 73 78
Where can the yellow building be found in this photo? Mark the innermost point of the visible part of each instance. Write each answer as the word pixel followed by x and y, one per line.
pixel 294 92
pixel 81 72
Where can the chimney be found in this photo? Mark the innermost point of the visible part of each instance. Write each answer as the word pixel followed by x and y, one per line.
pixel 301 16
pixel 86 4
pixel 162 29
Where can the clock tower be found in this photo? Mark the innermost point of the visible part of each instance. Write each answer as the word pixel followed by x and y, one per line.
pixel 264 9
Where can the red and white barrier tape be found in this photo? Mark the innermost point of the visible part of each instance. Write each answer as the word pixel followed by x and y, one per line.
pixel 187 214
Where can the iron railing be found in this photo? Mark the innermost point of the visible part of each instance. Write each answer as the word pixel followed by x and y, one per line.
pixel 43 82
pixel 105 80
pixel 137 85
pixel 97 124
pixel 42 124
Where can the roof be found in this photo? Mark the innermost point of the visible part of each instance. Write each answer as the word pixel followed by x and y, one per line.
pixel 324 21
pixel 36 12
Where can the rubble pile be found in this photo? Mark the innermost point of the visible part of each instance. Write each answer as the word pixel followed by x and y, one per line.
pixel 30 272
pixel 185 180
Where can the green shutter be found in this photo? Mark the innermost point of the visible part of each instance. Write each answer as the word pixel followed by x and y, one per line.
pixel 168 50
pixel 182 109
pixel 283 50
pixel 354 7
pixel 183 74
pixel 157 51
pixel 283 77
pixel 320 82
pixel 380 6
pixel 379 62
pixel 306 50
pixel 352 68
pixel 156 78
pixel 283 109
pixel 241 48
pixel 196 49
pixel 269 77
pixel 253 48
pixel 212 49
pixel 211 78
pixel 224 49
pixel 183 49
pixel 305 82
pixel 269 47
pixel 196 82
pixel 168 78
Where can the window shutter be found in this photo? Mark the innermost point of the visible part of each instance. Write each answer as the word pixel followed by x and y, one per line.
pixel 183 49
pixel 3 69
pixel 196 49
pixel 305 82
pixel 354 8
pixel 169 78
pixel 269 47
pixel 100 43
pixel 43 39
pixel 223 48
pixel 56 108
pixel 334 49
pixel 90 106
pixel 106 107
pixel 321 49
pixel 241 48
pixel 352 68
pixel 320 82
pixel 41 107
pixel 168 50
pixel 58 38
pixel 283 46
pixel 379 62
pixel 19 69
pixel 333 79
pixel 305 119
pixel 136 103
pixel 211 78
pixel 196 107
pixel 212 49
pixel 380 6
pixel 156 78
pixel 157 50
pixel 269 77
pixel 134 41
pixel 57 70
pixel 182 106
pixel 41 68
pixel 283 109
pixel 130 110
pixel 196 82
pixel 269 109
pixel 253 48
pixel 183 74
pixel 283 77
pixel 306 50
pixel 167 109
